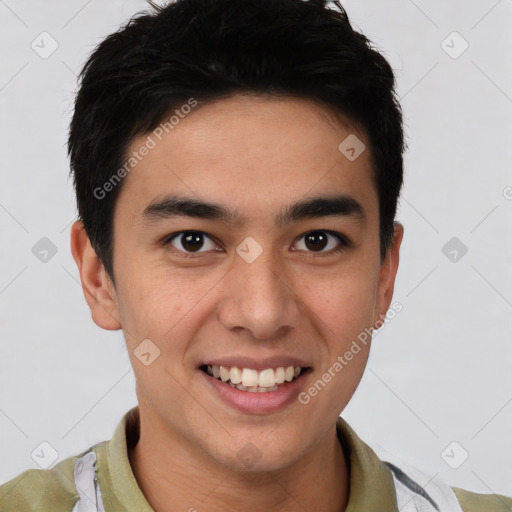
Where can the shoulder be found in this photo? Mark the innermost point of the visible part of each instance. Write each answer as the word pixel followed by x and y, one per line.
pixel 473 502
pixel 41 490
pixel 437 495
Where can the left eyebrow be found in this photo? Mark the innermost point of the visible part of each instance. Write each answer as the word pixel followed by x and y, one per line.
pixel 172 205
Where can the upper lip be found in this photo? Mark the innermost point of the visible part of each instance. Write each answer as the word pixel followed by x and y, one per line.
pixel 256 364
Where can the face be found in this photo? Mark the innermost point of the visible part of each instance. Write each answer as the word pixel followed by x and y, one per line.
pixel 248 282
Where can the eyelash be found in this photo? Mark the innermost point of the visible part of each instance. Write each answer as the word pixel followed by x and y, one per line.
pixel 344 243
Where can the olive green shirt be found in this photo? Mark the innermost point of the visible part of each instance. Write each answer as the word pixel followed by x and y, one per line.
pixel 109 485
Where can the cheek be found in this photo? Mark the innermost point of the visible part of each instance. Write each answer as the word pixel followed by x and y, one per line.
pixel 342 311
pixel 161 307
pixel 343 303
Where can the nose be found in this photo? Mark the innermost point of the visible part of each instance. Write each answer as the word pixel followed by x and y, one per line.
pixel 259 300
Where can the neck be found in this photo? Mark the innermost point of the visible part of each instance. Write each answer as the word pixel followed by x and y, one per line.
pixel 174 477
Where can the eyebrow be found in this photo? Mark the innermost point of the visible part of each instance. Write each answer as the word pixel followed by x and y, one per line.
pixel 171 206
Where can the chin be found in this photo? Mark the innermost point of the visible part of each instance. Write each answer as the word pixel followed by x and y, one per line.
pixel 252 457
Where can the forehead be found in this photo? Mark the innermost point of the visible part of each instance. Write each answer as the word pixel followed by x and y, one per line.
pixel 254 152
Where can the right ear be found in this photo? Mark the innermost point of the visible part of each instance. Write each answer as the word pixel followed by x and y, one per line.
pixel 97 286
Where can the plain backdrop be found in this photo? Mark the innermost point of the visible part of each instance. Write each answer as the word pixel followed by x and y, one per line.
pixel 438 384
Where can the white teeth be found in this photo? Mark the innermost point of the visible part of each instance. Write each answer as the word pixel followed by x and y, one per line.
pixel 267 378
pixel 249 377
pixel 235 375
pixel 254 381
pixel 279 375
pixel 224 373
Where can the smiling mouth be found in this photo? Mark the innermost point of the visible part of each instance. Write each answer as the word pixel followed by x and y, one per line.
pixel 254 381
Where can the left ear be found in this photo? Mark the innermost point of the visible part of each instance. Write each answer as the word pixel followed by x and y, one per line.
pixel 387 276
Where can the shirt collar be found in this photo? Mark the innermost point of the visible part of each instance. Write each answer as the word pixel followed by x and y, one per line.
pixel 371 483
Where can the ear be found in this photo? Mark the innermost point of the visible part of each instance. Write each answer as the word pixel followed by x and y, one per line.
pixel 97 286
pixel 387 276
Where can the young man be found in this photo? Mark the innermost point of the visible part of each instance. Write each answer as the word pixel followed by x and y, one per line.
pixel 237 165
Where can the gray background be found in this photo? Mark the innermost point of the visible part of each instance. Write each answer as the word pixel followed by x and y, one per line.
pixel 439 372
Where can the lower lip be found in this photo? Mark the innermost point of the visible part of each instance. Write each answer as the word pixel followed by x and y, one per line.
pixel 256 403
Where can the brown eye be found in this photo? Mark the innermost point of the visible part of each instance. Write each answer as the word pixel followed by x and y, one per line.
pixel 317 241
pixel 190 241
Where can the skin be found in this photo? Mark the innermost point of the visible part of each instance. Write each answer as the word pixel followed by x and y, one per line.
pixel 256 155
